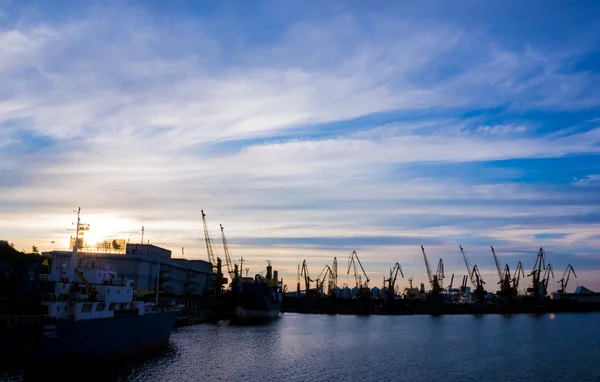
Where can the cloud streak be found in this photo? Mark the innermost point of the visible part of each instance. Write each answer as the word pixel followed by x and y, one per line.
pixel 304 137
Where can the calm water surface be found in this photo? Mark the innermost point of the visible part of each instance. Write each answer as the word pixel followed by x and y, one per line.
pixel 561 347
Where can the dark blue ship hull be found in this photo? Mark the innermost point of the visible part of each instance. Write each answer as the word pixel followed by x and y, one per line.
pixel 122 335
pixel 255 302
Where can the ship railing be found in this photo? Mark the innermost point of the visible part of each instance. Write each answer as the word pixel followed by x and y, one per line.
pixel 116 281
pixel 100 264
pixel 13 320
pixel 24 319
pixel 54 297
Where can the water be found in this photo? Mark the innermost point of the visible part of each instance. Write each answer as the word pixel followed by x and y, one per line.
pixel 551 347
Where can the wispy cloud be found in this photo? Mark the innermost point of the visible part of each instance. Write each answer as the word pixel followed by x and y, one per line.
pixel 347 129
pixel 588 180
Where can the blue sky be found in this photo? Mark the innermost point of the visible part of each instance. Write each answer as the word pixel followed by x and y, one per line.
pixel 308 129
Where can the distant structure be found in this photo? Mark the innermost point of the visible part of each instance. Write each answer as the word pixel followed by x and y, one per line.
pixel 146 264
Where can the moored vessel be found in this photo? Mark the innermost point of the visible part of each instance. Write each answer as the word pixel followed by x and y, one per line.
pixel 253 299
pixel 83 309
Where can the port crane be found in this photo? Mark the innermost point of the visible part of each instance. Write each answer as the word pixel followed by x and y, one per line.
pixel 434 280
pixel 230 269
pixel 504 276
pixel 519 272
pixel 536 273
pixel 497 262
pixel 469 268
pixel 449 289
pixel 392 280
pixel 479 290
pixel 306 276
pixel 440 274
pixel 463 285
pixel 549 272
pixel 352 260
pixel 506 287
pixel 564 281
pixel 324 275
pixel 209 249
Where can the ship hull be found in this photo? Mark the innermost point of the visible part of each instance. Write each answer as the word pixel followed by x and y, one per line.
pixel 104 338
pixel 239 314
pixel 254 303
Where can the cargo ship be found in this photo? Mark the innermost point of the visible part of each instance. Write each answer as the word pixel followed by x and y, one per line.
pixel 84 310
pixel 253 299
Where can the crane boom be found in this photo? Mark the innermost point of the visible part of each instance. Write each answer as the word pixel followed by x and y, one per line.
pixel 479 290
pixel 227 255
pixel 497 264
pixel 549 272
pixel 536 273
pixel 307 279
pixel 564 281
pixel 326 272
pixel 517 276
pixel 397 268
pixel 352 260
pixel 427 267
pixel 392 280
pixel 211 256
pixel 469 267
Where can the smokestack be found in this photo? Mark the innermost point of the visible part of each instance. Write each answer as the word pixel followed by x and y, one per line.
pixel 269 272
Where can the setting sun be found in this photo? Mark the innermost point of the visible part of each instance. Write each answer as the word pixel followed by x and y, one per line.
pixel 103 227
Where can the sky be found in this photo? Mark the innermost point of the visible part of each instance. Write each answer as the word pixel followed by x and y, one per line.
pixel 309 130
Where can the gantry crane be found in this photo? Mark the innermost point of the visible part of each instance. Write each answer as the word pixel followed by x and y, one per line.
pixel 434 280
pixel 227 255
pixel 564 281
pixel 209 249
pixel 536 274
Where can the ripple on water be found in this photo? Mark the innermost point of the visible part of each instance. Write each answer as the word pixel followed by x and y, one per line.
pixel 561 347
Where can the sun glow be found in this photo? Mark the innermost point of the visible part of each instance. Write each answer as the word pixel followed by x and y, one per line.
pixel 103 227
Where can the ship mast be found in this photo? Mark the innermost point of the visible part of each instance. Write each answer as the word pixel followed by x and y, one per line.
pixel 157 281
pixel 73 259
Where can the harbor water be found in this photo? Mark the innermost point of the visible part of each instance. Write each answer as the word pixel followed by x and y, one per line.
pixel 297 347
